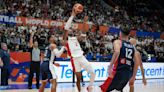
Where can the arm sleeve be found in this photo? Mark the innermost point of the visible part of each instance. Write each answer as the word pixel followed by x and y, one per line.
pixel 58 52
pixel 68 24
pixel 52 56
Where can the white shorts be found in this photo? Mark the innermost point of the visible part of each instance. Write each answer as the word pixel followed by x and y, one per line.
pixel 82 62
pixel 53 70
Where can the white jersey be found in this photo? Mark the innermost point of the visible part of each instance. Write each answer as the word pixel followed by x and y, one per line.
pixel 74 47
pixel 56 53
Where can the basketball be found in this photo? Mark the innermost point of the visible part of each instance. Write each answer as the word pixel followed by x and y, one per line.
pixel 78 8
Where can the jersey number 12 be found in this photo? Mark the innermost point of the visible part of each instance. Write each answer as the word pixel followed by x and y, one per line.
pixel 129 53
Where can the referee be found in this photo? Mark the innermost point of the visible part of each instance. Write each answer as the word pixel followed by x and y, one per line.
pixel 35 63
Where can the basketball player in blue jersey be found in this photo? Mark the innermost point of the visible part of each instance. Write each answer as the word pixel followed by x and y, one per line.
pixel 122 67
pixel 48 67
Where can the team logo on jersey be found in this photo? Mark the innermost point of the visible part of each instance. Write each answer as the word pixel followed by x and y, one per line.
pixel 123 61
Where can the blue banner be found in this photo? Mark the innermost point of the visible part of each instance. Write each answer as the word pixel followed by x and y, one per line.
pixel 138 33
pixel 114 30
pixel 8 19
pixel 151 34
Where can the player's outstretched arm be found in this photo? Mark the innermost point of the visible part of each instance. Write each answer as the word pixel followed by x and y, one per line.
pixel 57 52
pixel 68 24
pixel 136 64
pixel 142 70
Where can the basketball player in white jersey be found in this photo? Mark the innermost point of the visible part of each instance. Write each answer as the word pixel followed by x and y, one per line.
pixel 48 66
pixel 131 84
pixel 75 51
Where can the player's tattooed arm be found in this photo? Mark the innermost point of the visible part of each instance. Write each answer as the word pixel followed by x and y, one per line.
pixel 117 47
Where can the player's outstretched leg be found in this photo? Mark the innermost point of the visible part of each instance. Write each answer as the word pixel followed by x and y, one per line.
pixel 78 76
pixel 92 79
pixel 90 70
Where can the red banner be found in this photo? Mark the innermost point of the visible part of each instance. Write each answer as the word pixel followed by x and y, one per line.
pixel 37 22
pixel 21 56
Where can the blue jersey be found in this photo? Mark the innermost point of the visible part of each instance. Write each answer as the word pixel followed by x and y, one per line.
pixel 47 54
pixel 125 59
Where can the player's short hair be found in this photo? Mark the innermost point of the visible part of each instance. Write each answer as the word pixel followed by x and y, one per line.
pixel 125 29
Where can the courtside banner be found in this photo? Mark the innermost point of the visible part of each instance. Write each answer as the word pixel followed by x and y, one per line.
pixel 64 72
pixel 8 19
pixel 30 21
pixel 38 22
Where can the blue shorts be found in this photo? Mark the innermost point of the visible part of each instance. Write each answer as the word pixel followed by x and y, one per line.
pixel 45 71
pixel 119 81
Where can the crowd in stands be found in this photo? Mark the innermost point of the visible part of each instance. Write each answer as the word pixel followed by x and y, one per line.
pixel 94 44
pixel 143 19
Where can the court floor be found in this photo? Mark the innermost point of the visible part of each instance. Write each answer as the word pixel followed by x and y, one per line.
pixel 155 85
